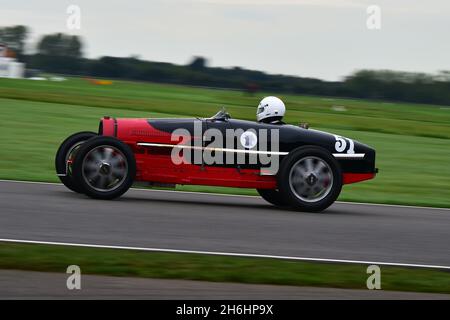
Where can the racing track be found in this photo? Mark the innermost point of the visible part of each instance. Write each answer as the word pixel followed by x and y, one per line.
pixel 188 221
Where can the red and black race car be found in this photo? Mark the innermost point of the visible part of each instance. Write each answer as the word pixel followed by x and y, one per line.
pixel 290 166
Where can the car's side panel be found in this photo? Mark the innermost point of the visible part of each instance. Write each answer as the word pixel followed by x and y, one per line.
pixel 154 162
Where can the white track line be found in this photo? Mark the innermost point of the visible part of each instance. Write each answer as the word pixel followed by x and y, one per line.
pixel 230 254
pixel 239 195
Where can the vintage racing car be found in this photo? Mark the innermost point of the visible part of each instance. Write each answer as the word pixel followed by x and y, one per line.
pixel 290 166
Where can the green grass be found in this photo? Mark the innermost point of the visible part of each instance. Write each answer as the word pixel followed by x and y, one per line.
pixel 398 118
pixel 412 141
pixel 216 268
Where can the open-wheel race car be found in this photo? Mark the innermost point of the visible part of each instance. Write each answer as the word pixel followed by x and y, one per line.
pixel 290 166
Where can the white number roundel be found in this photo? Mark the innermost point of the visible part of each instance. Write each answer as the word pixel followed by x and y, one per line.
pixel 249 139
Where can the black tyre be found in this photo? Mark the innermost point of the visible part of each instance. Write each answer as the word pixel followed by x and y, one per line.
pixel 272 196
pixel 65 155
pixel 309 179
pixel 104 167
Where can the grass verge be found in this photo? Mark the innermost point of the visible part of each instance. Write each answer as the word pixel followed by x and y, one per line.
pixel 123 263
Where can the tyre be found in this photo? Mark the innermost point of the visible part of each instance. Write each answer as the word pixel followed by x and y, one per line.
pixel 272 196
pixel 104 167
pixel 65 155
pixel 309 179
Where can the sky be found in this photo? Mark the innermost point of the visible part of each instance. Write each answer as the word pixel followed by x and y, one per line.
pixel 326 39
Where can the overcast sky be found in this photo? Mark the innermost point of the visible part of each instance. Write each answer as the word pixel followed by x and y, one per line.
pixel 326 39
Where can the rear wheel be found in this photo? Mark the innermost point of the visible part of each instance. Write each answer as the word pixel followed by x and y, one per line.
pixel 104 167
pixel 272 196
pixel 310 179
pixel 65 155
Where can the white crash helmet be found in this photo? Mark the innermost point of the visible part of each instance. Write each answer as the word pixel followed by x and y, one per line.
pixel 270 107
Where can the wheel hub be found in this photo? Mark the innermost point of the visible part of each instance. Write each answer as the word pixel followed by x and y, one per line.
pixel 105 168
pixel 311 179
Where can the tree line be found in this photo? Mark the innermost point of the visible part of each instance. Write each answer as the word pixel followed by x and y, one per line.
pixel 60 53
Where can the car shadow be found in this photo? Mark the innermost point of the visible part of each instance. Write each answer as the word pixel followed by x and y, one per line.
pixel 207 203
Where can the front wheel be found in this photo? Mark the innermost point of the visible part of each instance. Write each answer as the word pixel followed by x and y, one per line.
pixel 310 179
pixel 104 167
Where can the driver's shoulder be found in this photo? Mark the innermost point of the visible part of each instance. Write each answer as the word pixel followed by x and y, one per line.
pixel 275 122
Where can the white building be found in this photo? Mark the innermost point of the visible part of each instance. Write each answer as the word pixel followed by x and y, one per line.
pixel 9 67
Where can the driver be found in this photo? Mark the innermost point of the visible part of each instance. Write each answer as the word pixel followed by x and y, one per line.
pixel 270 110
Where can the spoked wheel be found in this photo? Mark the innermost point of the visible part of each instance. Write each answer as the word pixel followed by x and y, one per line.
pixel 105 167
pixel 65 156
pixel 310 179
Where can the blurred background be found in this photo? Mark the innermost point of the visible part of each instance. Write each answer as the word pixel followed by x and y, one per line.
pixel 378 73
pixel 375 71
